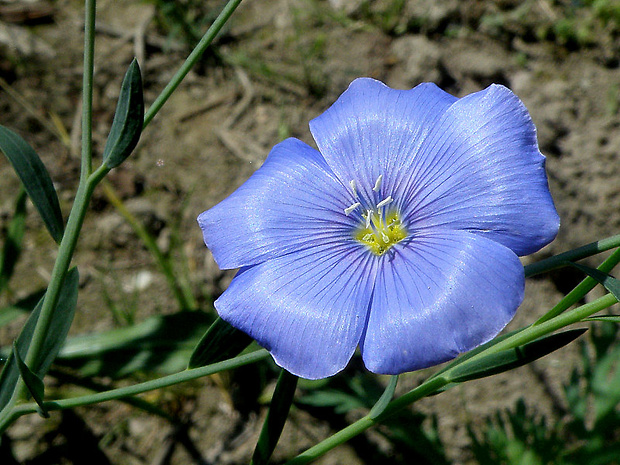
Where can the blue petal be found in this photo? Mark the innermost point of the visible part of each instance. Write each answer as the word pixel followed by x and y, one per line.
pixel 373 130
pixel 292 202
pixel 308 308
pixel 480 170
pixel 438 295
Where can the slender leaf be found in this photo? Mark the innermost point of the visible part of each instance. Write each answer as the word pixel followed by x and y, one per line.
pixel 61 322
pixel 610 318
pixel 466 356
pixel 276 418
pixel 128 119
pixel 220 342
pixel 13 243
pixel 159 344
pixel 35 178
pixel 32 381
pixel 59 327
pixel 385 398
pixel 609 282
pixel 512 358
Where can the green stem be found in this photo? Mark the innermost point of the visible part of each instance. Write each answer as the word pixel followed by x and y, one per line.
pixel 191 60
pixel 434 384
pixel 65 254
pixel 87 87
pixel 159 383
pixel 91 385
pixel 560 260
pixel 63 260
pixel 76 217
pixel 580 290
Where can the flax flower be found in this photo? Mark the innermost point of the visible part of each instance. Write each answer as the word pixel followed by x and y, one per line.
pixel 400 235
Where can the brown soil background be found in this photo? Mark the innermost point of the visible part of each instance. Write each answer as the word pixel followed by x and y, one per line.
pixel 277 65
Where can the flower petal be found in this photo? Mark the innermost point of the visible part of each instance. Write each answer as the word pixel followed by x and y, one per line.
pixel 373 130
pixel 480 170
pixel 291 202
pixel 308 308
pixel 438 295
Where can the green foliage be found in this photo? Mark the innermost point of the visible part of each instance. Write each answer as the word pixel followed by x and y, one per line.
pixel 569 23
pixel 128 119
pixel 220 341
pixel 160 344
pixel 386 15
pixel 276 417
pixel 34 384
pixel 412 436
pixel 184 19
pixel 509 359
pixel 517 437
pixel 35 179
pixel 54 338
pixel 588 435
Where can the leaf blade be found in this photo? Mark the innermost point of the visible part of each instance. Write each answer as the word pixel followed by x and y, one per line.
pixel 221 341
pixel 512 358
pixel 607 281
pixel 128 119
pixel 59 327
pixel 32 381
pixel 35 178
pixel 276 418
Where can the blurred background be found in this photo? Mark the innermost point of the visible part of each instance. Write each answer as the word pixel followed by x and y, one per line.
pixel 147 282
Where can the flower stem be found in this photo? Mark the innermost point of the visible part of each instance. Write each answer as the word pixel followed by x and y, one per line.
pixel 87 87
pixel 159 383
pixel 580 290
pixel 560 260
pixel 434 384
pixel 191 60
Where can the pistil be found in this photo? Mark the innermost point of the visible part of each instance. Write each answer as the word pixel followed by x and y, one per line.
pixel 380 226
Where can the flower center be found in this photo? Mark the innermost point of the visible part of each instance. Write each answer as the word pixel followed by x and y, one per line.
pixel 380 225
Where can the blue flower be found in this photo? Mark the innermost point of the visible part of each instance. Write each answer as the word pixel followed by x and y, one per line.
pixel 401 235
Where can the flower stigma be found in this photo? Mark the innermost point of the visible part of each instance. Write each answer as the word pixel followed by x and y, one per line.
pixel 380 226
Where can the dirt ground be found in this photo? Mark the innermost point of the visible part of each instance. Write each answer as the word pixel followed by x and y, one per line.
pixel 278 64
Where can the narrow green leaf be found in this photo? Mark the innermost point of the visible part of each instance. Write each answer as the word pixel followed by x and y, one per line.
pixel 32 381
pixel 13 243
pixel 35 179
pixel 466 356
pixel 61 322
pixel 512 358
pixel 609 282
pixel 128 119
pixel 220 342
pixel 59 327
pixel 160 344
pixel 610 318
pixel 385 398
pixel 276 418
